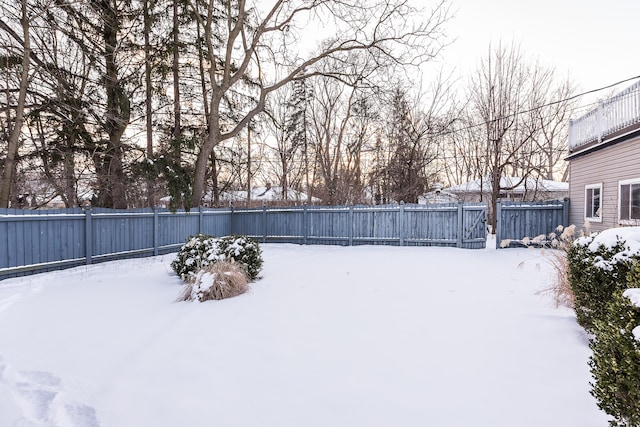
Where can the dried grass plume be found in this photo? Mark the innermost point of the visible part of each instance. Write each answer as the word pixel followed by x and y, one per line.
pixel 220 280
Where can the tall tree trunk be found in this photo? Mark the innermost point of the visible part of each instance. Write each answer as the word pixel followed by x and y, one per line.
pixel 148 96
pixel 118 111
pixel 248 166
pixel 201 169
pixel 14 137
pixel 203 86
pixel 177 130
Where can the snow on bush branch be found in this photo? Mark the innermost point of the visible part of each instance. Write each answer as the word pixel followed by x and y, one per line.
pixel 619 244
pixel 202 250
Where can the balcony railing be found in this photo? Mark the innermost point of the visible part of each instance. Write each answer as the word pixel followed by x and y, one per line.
pixel 613 115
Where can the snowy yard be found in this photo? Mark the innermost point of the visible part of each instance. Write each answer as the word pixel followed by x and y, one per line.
pixel 330 336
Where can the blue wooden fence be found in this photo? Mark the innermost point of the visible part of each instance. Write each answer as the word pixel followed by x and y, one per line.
pixel 517 220
pixel 35 241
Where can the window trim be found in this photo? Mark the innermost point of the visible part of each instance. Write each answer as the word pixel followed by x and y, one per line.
pixel 586 190
pixel 631 221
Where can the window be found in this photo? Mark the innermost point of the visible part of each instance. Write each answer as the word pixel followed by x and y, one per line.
pixel 593 202
pixel 629 206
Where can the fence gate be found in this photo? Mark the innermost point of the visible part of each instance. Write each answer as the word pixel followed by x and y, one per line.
pixel 474 226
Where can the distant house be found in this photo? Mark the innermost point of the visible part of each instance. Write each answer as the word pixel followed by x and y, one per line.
pixel 604 163
pixel 515 189
pixel 437 197
pixel 269 195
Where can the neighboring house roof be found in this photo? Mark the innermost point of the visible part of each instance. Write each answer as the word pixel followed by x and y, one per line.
pixel 267 194
pixel 437 197
pixel 527 185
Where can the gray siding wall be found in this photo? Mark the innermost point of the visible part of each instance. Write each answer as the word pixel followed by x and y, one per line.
pixel 607 166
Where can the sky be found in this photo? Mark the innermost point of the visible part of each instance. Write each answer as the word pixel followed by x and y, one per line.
pixel 593 42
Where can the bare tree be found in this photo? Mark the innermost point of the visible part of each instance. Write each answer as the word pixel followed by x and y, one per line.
pixel 330 117
pixel 285 123
pixel 512 125
pixel 411 127
pixel 15 129
pixel 247 51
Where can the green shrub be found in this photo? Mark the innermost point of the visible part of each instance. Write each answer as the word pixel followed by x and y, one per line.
pixel 198 252
pixel 202 250
pixel 615 363
pixel 596 271
pixel 243 250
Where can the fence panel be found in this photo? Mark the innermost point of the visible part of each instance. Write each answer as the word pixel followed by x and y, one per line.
pixel 214 222
pixel 249 222
pixel 517 220
pixel 374 225
pixel 50 239
pixel 436 226
pixel 329 225
pixel 34 241
pixel 114 233
pixel 174 228
pixel 284 225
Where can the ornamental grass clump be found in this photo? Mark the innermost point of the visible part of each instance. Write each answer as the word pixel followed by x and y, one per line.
pixel 220 280
pixel 217 267
pixel 555 245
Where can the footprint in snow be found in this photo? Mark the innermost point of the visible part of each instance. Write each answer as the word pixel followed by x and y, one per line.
pixel 41 400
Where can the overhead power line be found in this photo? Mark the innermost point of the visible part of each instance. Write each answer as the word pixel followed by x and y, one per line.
pixel 539 107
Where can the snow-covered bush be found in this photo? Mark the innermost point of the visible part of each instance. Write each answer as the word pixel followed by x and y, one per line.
pixel 220 280
pixel 615 363
pixel 198 252
pixel 201 251
pixel 598 267
pixel 243 250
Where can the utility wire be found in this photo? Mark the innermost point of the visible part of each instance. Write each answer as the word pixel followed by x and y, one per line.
pixel 539 107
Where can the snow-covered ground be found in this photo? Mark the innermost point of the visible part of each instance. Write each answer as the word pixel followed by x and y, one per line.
pixel 330 336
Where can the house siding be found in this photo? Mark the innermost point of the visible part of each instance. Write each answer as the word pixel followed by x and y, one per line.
pixel 608 166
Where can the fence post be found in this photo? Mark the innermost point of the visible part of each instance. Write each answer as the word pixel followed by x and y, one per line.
pixel 498 230
pixel 305 224
pixel 199 219
pixel 565 212
pixel 401 223
pixel 88 241
pixel 264 222
pixel 351 224
pixel 460 224
pixel 155 231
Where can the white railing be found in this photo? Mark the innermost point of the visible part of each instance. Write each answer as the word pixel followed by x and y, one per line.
pixel 612 115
